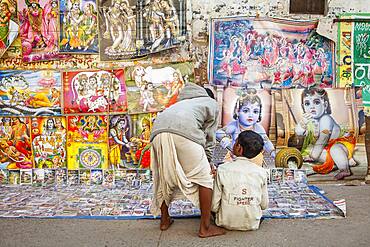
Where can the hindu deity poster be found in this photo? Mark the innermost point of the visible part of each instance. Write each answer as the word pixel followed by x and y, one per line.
pixel 94 91
pixel 14 177
pixel 248 109
pixel 9 27
pixel 327 127
pixel 30 93
pixel 38 29
pixel 48 141
pixel 15 143
pixel 78 26
pixel 87 142
pixel 153 88
pixel 134 28
pixel 129 141
pixel 266 52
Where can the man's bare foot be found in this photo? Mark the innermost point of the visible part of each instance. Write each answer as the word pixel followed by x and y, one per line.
pixel 165 223
pixel 211 232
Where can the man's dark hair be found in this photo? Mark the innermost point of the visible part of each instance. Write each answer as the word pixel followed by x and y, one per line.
pixel 210 93
pixel 251 142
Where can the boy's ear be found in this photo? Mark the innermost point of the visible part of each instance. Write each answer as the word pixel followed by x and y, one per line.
pixel 238 150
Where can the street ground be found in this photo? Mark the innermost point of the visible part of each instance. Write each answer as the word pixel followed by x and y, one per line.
pixel 351 231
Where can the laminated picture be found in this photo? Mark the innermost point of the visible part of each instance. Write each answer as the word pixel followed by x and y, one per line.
pixel 73 177
pixel 269 52
pixel 129 141
pixel 325 126
pixel 39 29
pixel 15 143
pixel 49 178
pixel 247 109
pixel 87 142
pixel 94 91
pixel 96 176
pixel 277 175
pixel 155 87
pixel 38 177
pixel 78 26
pixel 26 176
pixel 61 176
pixel 14 177
pixel 49 136
pixel 4 176
pixel 30 93
pixel 85 176
pixel 129 28
pixel 108 178
pixel 9 27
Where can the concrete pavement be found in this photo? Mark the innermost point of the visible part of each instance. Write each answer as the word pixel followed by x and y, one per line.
pixel 352 231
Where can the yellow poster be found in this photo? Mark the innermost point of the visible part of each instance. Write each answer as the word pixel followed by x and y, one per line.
pixel 344 75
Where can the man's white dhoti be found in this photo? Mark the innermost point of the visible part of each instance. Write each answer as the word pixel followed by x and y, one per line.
pixel 179 166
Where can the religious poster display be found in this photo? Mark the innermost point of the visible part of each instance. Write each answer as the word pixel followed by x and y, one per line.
pixel 327 127
pixel 87 142
pixel 30 93
pixel 78 26
pixel 97 91
pixel 9 27
pixel 269 53
pixel 154 88
pixel 49 136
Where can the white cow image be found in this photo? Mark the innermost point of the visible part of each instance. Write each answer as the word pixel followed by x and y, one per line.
pixel 156 76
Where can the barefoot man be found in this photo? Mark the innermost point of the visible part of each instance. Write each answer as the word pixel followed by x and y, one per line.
pixel 183 138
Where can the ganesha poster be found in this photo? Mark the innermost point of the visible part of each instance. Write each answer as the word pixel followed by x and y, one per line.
pixel 87 141
pixel 96 91
pixel 327 127
pixel 78 26
pixel 38 29
pixel 9 26
pixel 248 109
pixel 15 143
pixel 30 93
pixel 134 28
pixel 48 141
pixel 268 52
pixel 155 87
pixel 129 140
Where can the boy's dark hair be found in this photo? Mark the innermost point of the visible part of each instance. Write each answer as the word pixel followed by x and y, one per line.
pixel 251 142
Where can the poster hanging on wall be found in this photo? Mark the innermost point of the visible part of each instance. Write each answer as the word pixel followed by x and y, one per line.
pixel 129 141
pixel 15 143
pixel 94 91
pixel 153 88
pixel 9 26
pixel 267 52
pixel 39 29
pixel 48 142
pixel 327 127
pixel 78 26
pixel 135 28
pixel 30 93
pixel 87 142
